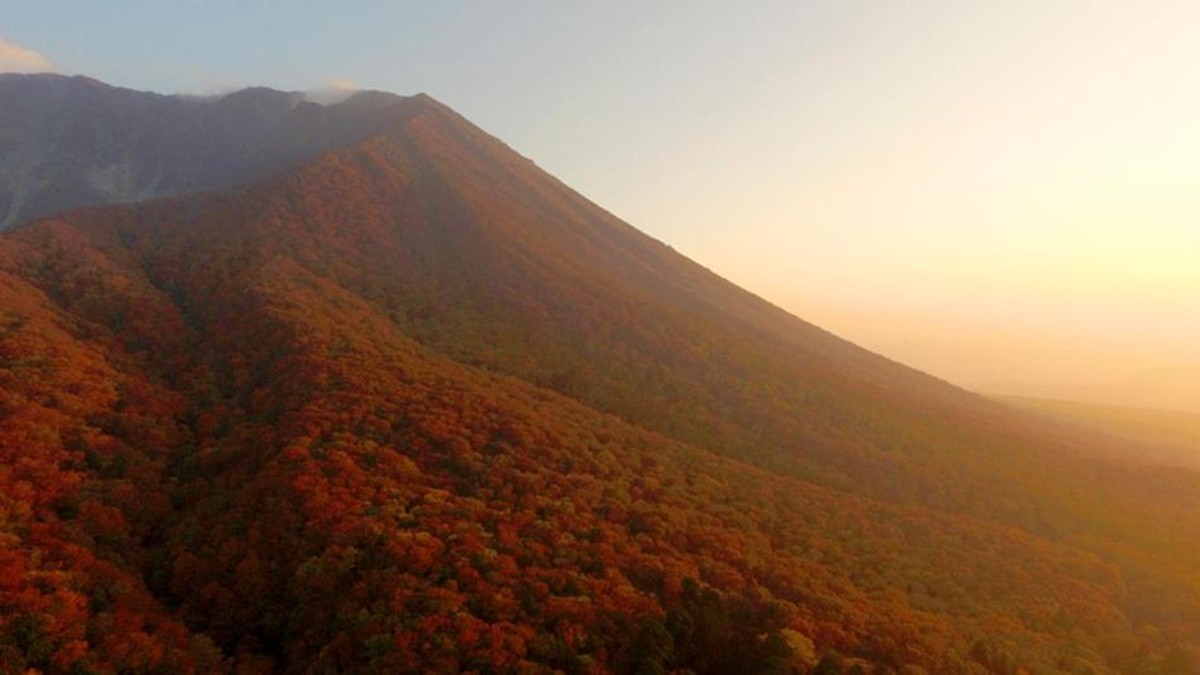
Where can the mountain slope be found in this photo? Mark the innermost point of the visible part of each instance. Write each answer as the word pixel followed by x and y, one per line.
pixel 476 253
pixel 415 404
pixel 327 472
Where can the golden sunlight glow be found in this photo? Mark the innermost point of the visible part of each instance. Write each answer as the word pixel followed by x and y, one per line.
pixel 1015 209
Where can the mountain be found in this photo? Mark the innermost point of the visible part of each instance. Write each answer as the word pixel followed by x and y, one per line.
pixel 413 405
pixel 73 141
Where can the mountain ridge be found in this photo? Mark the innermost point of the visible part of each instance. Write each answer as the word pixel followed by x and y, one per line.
pixel 74 141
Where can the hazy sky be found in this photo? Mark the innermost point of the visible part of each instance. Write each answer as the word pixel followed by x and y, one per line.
pixel 1006 194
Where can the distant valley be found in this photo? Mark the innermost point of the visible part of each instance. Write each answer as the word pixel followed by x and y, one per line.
pixel 1162 436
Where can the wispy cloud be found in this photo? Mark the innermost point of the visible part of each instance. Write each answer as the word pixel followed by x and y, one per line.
pixel 17 59
pixel 209 85
pixel 335 90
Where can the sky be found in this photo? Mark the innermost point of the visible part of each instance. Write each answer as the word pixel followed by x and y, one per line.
pixel 1004 194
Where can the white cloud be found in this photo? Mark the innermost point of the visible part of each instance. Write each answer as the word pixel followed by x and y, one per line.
pixel 333 91
pixel 17 59
pixel 209 85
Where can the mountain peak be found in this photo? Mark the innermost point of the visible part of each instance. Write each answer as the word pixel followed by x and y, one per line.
pixel 261 97
pixel 73 141
pixel 370 98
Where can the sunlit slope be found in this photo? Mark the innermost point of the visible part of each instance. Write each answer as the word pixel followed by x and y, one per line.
pixel 342 497
pixel 476 253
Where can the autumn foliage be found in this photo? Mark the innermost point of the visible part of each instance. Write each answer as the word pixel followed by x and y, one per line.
pixel 417 407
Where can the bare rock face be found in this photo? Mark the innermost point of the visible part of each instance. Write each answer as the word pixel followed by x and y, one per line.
pixel 68 142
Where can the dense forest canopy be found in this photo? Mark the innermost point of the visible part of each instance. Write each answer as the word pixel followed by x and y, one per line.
pixel 416 406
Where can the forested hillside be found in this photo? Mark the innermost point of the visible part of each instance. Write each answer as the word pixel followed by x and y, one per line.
pixel 416 406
